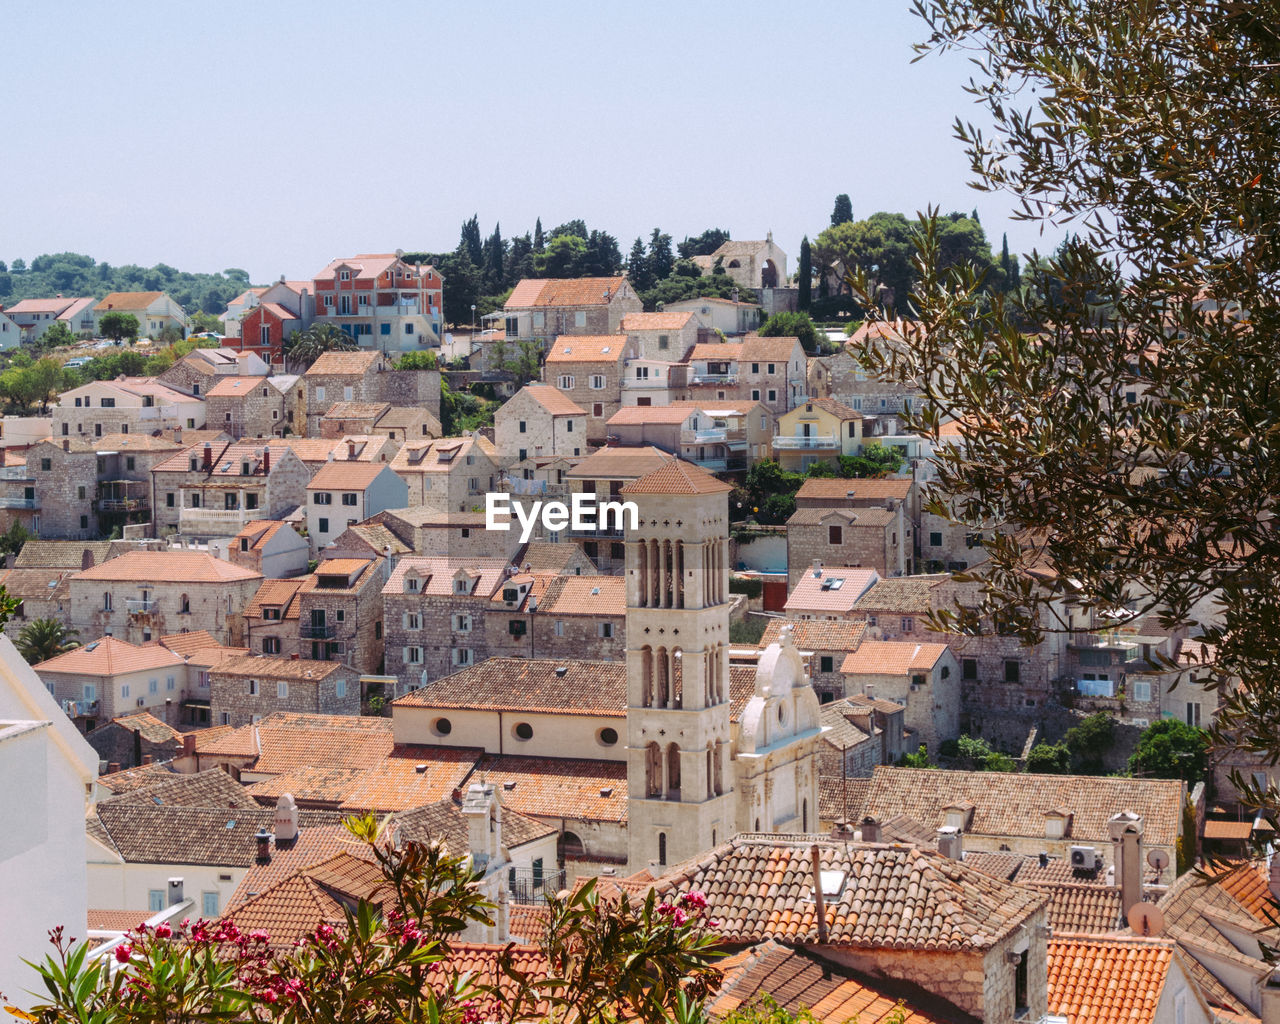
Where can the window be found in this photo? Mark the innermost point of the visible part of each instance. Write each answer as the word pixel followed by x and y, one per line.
pixel 517 627
pixel 209 904
pixel 565 382
pixel 155 900
pixel 323 526
pixel 773 395
pixel 1142 692
pixel 569 427
pixel 107 403
pixel 270 645
pixel 253 687
pixel 827 663
pixel 755 397
pixel 935 540
pixel 1012 671
pixel 106 601
pixel 46 464
pixel 969 669
pixel 908 625
pixel 605 630
pixel 596 382
pixel 344 275
pixel 579 319
pixel 412 621
pixel 169 499
pixel 341 615
pixel 346 393
pixel 771 367
pixel 524 427
pixel 153 686
pixel 349 498
pixel 408 328
pixel 413 655
pixel 322 498
pixel 80 493
pixel 664 342
pixel 124 692
pixel 282 690
pixel 461 656
pixel 755 367
pixel 320 393
pixel 523 731
pixel 340 688
pixel 1193 713
pixel 597 410
pixel 559 627
pixel 90 691
pixel 835 535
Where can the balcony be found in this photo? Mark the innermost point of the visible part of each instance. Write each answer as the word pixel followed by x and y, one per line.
pixel 399 309
pixel 1124 649
pixel 217 521
pixel 140 605
pixel 311 631
pixel 526 885
pixel 714 378
pixel 16 473
pixel 80 708
pixel 20 503
pixel 643 383
pixel 810 443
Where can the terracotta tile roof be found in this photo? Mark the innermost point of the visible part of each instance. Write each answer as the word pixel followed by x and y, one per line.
pixel 212 788
pixel 188 643
pixel 353 364
pixel 571 687
pixel 656 321
pixel 742 687
pixel 148 727
pixel 126 301
pixel 586 595
pixel 816 634
pixel 841 733
pixel 110 657
pixel 144 833
pixel 278 311
pixel 234 387
pixel 872 518
pixel 641 414
pixel 54 306
pixel 356 410
pixel 1015 804
pixel 810 593
pixel 345 475
pixel 529 922
pixel 677 477
pixel 481 962
pixel 377 538
pixel 444 820
pixel 310 785
pixel 437 575
pixel 553 400
pixel 829 405
pixel 275 593
pixel 117 920
pixel 1248 886
pixel 553 787
pixel 1107 981
pixel 400 780
pixel 620 463
pixel 801 981
pixel 312 846
pixel 912 594
pixel 779 349
pixel 294 907
pixel 587 348
pixel 259 532
pixel 716 352
pixel 897 897
pixel 168 567
pixel 578 291
pixel 860 489
pixel 61 554
pixel 1085 909
pixel 1003 866
pixel 37 584
pixel 440 455
pixel 295 670
pixel 136 778
pixel 1232 831
pixel 892 658
pixel 286 740
pixel 545 557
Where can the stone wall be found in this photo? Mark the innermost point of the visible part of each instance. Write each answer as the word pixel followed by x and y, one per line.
pixel 231 703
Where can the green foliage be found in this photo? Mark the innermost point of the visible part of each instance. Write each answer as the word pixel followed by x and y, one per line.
pixel 118 326
pixel 42 639
pixel 12 540
pixel 804 276
pixel 302 348
pixel 748 631
pixel 1049 759
pixel 875 460
pixel 56 335
pixel 920 759
pixel 843 211
pixel 205 323
pixel 461 411
pixel 1171 749
pixel 638 267
pixel 703 245
pixel 976 754
pixel 1088 741
pixel 419 360
pixel 662 261
pixel 563 257
pixel 680 286
pixel 751 586
pixel 25 384
pixel 792 325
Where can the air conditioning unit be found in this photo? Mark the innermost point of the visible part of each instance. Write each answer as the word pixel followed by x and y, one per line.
pixel 1085 858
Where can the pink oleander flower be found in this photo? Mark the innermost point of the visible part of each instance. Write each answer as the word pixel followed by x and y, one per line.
pixel 123 952
pixel 679 917
pixel 665 908
pixel 259 936
pixel 163 931
pixel 695 899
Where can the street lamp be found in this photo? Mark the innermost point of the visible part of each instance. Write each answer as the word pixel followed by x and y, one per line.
pixel 473 320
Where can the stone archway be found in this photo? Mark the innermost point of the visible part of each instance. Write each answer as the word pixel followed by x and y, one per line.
pixel 769 274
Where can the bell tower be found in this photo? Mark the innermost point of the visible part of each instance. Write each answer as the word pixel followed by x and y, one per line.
pixel 679 774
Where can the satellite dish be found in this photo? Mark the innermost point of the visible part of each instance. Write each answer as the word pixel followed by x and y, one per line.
pixel 1157 858
pixel 1146 919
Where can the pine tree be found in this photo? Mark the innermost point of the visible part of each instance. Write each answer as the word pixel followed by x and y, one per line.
pixel 806 275
pixel 662 260
pixel 470 242
pixel 638 267
pixel 539 243
pixel 843 212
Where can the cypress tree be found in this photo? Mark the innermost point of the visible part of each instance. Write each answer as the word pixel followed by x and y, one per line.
pixel 806 275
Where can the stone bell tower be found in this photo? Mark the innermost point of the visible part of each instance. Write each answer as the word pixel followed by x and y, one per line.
pixel 679 776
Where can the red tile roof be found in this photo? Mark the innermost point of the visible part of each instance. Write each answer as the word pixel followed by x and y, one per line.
pixel 167 567
pixel 579 291
pixel 1107 981
pixel 570 687
pixel 552 787
pixel 656 321
pixel 677 477
pixel 345 475
pixel 642 414
pixel 111 657
pixel 869 489
pixel 126 301
pixel 233 387
pixel 892 658
pixel 810 594
pixel 553 400
pixel 343 364
pixel 587 348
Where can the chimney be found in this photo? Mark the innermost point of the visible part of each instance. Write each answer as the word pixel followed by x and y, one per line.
pixel 870 830
pixel 146 758
pixel 1126 854
pixel 483 811
pixel 263 838
pixel 286 820
pixel 817 568
pixel 177 435
pixel 208 457
pixel 1271 998
pixel 66 444
pixel 1044 860
pixel 951 842
pixel 175 891
pixel 819 900
pixel 113 767
pixel 266 460
pixel 189 744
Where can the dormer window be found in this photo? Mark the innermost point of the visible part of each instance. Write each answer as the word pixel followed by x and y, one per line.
pixel 344 275
pixel 411 584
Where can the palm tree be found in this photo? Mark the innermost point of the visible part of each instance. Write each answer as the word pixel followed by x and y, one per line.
pixel 44 639
pixel 305 347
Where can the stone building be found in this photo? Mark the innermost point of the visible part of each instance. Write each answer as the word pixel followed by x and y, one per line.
pixel 395 422
pixel 450 475
pixel 271 547
pixel 248 406
pixel 728 316
pixel 923 678
pixel 541 420
pixel 216 489
pixel 272 618
pixel 824 645
pixel 892 493
pixel 197 371
pixel 829 592
pixel 543 309
pixel 340 613
pixel 249 688
pixel 110 677
pixel 690 782
pixel 841 376
pixel 364 377
pixel 770 371
pixel 664 336
pixel 142 595
pixel 136 738
pixel 819 430
pixel 589 371
pixel 871 538
pixel 750 264
pixel 424 531
pixel 126 405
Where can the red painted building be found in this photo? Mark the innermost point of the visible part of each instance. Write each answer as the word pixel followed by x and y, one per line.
pixel 381 302
pixel 263 330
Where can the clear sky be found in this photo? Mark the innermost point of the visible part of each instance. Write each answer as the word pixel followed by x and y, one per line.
pixel 276 136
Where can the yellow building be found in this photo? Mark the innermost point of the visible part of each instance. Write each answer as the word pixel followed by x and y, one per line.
pixel 817 430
